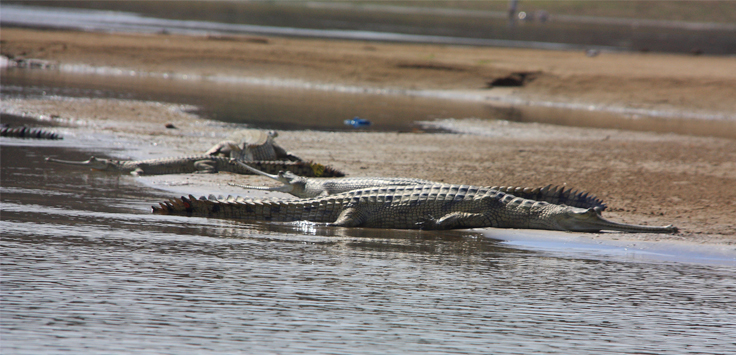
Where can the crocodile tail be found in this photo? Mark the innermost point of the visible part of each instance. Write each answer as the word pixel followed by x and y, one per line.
pixel 192 207
pixel 181 206
pixel 242 208
pixel 203 207
pixel 25 132
pixel 320 170
pixel 555 195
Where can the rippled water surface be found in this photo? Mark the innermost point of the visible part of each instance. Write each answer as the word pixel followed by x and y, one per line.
pixel 87 269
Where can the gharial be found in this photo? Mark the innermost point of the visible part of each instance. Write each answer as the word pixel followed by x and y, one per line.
pixel 251 145
pixel 304 187
pixel 430 206
pixel 199 164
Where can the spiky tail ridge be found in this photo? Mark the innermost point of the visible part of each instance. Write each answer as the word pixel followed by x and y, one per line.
pixel 247 209
pixel 25 132
pixel 555 195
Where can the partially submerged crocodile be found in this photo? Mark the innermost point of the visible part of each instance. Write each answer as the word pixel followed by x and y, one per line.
pixel 431 206
pixel 252 145
pixel 26 132
pixel 303 187
pixel 200 164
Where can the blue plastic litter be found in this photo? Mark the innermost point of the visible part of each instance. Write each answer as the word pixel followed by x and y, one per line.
pixel 358 122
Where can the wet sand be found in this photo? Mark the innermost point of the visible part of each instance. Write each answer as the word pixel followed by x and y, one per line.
pixel 645 178
pixel 671 83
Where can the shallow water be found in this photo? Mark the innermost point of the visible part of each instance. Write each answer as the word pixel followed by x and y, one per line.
pixel 382 23
pixel 258 105
pixel 297 106
pixel 87 269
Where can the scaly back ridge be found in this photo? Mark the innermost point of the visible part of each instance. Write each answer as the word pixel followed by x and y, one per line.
pixel 555 195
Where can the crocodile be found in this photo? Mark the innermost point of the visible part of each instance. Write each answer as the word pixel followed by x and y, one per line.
pixel 432 206
pixel 252 145
pixel 26 132
pixel 199 164
pixel 303 187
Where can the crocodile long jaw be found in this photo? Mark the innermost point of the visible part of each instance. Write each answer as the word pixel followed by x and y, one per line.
pixel 283 188
pixel 286 178
pixel 590 220
pixel 257 172
pixel 92 163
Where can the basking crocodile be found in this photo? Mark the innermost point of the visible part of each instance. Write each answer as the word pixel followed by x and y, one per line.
pixel 302 187
pixel 25 132
pixel 200 164
pixel 252 145
pixel 431 206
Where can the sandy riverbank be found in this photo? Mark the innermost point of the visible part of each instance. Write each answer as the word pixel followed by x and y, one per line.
pixel 672 83
pixel 645 178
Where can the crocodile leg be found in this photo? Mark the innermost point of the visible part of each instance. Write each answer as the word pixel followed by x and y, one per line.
pixel 224 148
pixel 454 220
pixel 349 217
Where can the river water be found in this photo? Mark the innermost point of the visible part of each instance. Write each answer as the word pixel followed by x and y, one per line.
pixel 378 22
pixel 87 269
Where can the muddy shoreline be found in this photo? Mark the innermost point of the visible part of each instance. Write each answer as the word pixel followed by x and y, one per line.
pixel 648 81
pixel 645 178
